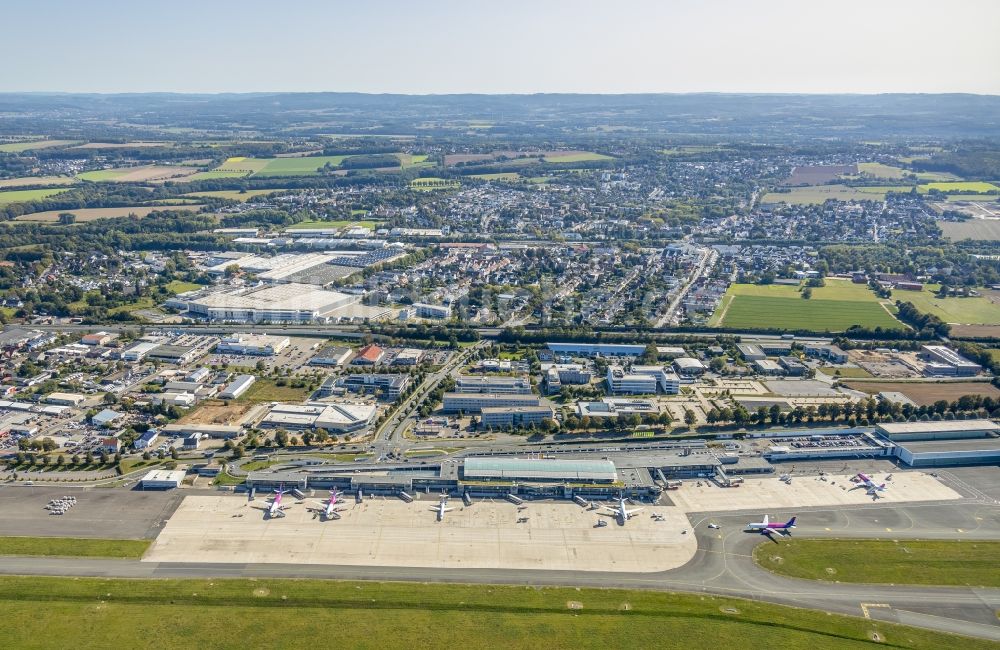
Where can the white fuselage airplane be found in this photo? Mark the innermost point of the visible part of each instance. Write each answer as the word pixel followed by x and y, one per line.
pixel 767 527
pixel 276 509
pixel 622 513
pixel 442 508
pixel 872 487
pixel 330 508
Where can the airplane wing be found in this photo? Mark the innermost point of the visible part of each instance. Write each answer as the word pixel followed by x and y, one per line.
pixel 629 513
pixel 447 509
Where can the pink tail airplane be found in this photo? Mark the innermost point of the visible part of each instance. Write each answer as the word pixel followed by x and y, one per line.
pixel 872 487
pixel 767 527
pixel 329 507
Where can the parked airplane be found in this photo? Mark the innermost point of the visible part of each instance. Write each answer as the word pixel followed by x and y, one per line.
pixel 329 507
pixel 872 487
pixel 622 513
pixel 274 509
pixel 767 527
pixel 441 507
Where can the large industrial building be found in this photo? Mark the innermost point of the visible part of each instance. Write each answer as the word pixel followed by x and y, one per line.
pixel 940 430
pixel 281 303
pixel 339 418
pixel 493 384
pixel 252 344
pixel 943 360
pixel 520 416
pixel 597 349
pixel 946 442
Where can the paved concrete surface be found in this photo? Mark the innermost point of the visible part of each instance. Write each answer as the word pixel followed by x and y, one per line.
pixel 807 491
pixel 99 512
pixel 389 532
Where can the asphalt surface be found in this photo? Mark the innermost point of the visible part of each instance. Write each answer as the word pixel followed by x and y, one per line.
pixel 722 565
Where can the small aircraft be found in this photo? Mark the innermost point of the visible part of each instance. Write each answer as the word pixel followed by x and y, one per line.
pixel 441 507
pixel 329 507
pixel 622 513
pixel 867 482
pixel 767 527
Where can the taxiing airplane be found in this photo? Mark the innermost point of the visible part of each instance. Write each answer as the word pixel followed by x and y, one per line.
pixel 441 507
pixel 767 527
pixel 622 513
pixel 329 507
pixel 867 482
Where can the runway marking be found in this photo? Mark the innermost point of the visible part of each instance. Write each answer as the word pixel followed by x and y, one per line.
pixel 959 530
pixel 888 530
pixel 866 606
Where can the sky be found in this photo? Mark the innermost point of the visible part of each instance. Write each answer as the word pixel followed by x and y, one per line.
pixel 506 46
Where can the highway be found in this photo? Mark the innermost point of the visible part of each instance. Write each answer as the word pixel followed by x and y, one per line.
pixel 722 565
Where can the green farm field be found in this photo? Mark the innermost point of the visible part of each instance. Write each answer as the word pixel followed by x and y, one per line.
pixel 913 562
pixel 834 308
pixel 959 186
pixel 974 310
pixel 271 613
pixel 21 196
pixel 818 194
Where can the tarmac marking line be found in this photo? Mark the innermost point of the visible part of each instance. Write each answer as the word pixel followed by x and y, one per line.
pixel 866 606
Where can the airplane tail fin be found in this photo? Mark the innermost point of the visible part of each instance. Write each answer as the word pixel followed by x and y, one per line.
pixel 791 522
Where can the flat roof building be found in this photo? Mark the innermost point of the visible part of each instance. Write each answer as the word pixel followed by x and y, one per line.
pixel 237 387
pixel 510 416
pixel 936 453
pixel 280 303
pixel 940 430
pixel 598 349
pixel 476 402
pixel 162 480
pixel 493 384
pixel 589 471
pixel 946 361
pixel 252 344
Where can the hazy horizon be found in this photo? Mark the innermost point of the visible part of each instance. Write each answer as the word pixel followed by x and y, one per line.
pixel 520 47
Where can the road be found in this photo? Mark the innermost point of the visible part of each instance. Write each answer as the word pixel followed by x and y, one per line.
pixel 707 261
pixel 722 565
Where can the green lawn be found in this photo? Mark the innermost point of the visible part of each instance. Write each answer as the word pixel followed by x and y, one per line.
pixel 21 196
pixel 265 613
pixel 818 194
pixel 976 310
pixel 179 286
pixel 916 562
pixel 305 166
pixel 257 465
pixel 265 390
pixel 847 373
pixel 72 547
pixel 833 308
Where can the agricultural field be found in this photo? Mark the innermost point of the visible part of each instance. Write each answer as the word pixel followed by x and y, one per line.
pixel 899 562
pixel 430 184
pixel 232 195
pixel 833 308
pixel 171 613
pixel 888 172
pixel 124 145
pixel 27 181
pixel 978 229
pixel 144 174
pixel 93 214
pixel 306 166
pixel 20 147
pixel 959 186
pixel 21 196
pixel 414 161
pixel 926 393
pixel 974 310
pixel 818 174
pixel 573 156
pixel 819 194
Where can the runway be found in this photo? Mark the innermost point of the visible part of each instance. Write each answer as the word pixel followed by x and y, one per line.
pixel 722 565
